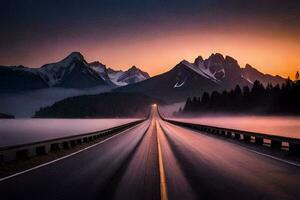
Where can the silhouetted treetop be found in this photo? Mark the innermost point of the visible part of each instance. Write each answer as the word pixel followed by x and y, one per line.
pixel 284 99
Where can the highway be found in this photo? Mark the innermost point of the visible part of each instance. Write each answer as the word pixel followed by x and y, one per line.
pixel 158 160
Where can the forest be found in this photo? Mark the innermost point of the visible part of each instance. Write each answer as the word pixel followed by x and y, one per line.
pixel 279 99
pixel 105 105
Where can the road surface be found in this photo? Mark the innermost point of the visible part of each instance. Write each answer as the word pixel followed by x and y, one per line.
pixel 158 160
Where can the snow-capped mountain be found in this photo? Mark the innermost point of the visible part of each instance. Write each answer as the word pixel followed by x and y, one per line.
pixel 114 76
pixel 71 72
pixel 216 72
pixel 223 70
pixel 119 77
pixel 102 71
pixel 227 72
pixel 189 79
pixel 131 76
pixel 173 86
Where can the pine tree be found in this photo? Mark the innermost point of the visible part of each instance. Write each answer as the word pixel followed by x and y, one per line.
pixel 205 99
pixel 270 100
pixel 297 76
pixel 188 105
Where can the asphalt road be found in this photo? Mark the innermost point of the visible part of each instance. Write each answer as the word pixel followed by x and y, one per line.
pixel 216 169
pixel 157 160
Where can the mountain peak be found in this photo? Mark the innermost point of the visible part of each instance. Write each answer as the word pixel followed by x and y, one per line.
pixel 76 55
pixel 231 60
pixel 71 67
pixel 138 70
pixel 198 60
pixel 133 68
pixel 247 66
pixel 184 62
pixel 96 64
pixel 110 70
pixel 216 57
pixel 67 61
pixel 21 67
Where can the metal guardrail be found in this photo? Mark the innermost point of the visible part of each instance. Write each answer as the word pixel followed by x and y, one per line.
pixel 23 151
pixel 273 141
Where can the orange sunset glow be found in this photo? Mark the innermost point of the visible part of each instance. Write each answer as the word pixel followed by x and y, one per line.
pixel 157 55
pixel 269 41
pixel 274 55
pixel 150 99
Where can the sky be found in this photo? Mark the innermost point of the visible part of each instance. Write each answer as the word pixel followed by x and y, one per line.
pixel 154 35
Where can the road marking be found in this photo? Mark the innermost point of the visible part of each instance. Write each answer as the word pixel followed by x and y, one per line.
pixel 273 157
pixel 163 182
pixel 64 157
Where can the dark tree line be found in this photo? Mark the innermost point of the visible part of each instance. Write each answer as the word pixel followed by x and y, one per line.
pixel 278 99
pixel 6 116
pixel 105 105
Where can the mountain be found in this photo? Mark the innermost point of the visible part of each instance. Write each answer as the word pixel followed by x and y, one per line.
pixel 252 74
pixel 101 70
pixel 175 85
pixel 224 71
pixel 131 76
pixel 189 79
pixel 20 78
pixel 214 73
pixel 71 72
pixel 119 77
pixel 72 76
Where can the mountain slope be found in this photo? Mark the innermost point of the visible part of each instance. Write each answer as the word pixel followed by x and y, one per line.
pixel 20 78
pixel 189 79
pixel 131 76
pixel 119 77
pixel 214 73
pixel 174 85
pixel 253 74
pixel 101 70
pixel 71 72
pixel 225 71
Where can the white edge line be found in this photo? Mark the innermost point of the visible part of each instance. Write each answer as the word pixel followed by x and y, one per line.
pixel 257 152
pixel 64 157
pixel 273 157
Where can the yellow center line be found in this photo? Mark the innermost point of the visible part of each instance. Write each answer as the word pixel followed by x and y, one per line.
pixel 163 183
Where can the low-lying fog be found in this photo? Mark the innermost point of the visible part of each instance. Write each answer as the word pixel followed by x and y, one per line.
pixel 275 125
pixel 168 110
pixel 20 131
pixel 24 104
